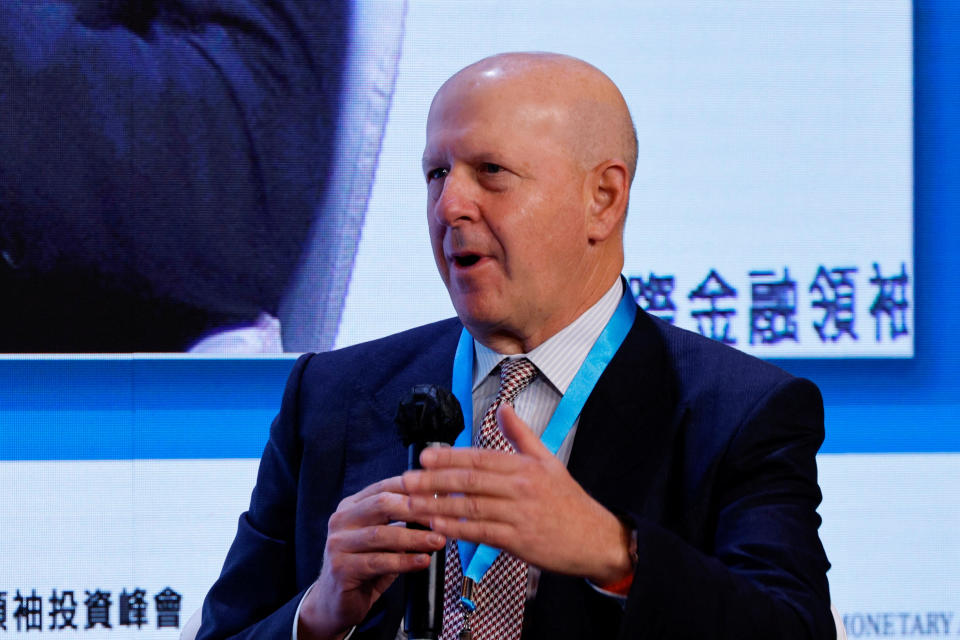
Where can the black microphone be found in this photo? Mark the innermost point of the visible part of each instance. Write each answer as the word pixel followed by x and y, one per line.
pixel 429 416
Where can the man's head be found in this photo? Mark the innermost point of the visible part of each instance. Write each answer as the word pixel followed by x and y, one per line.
pixel 528 161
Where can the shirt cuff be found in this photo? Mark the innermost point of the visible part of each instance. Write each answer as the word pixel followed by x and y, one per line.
pixel 622 599
pixel 296 616
pixel 620 595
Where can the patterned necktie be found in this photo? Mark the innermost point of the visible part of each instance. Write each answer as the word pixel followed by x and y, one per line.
pixel 501 593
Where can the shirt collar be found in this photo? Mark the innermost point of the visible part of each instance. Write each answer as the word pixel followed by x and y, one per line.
pixel 559 358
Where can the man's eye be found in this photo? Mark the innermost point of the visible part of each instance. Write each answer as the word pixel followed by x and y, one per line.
pixel 489 167
pixel 435 174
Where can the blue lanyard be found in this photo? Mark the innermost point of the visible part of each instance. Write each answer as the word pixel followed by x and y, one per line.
pixel 476 559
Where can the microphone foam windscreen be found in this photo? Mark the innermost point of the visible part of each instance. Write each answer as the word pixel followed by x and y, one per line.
pixel 429 414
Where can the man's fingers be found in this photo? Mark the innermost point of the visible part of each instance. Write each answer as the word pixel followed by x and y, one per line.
pixel 388 485
pixel 386 538
pixel 363 567
pixel 459 480
pixel 468 457
pixel 470 507
pixel 519 434
pixel 495 534
pixel 372 509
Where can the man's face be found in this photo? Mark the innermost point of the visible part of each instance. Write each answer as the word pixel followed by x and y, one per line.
pixel 506 209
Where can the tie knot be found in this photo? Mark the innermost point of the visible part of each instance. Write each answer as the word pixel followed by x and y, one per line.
pixel 515 375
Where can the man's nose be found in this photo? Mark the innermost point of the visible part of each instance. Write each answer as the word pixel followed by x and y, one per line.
pixel 457 200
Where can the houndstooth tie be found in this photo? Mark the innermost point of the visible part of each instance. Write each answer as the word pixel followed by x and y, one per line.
pixel 501 593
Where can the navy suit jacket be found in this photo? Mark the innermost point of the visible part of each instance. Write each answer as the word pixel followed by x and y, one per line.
pixel 709 452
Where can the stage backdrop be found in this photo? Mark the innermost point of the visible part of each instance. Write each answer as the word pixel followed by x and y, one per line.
pixel 795 197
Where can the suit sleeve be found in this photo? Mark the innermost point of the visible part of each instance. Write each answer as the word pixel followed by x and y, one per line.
pixel 257 593
pixel 175 145
pixel 765 573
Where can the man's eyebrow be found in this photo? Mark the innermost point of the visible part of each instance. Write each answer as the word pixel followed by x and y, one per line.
pixel 432 160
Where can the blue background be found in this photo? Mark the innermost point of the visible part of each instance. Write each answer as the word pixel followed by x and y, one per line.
pixel 914 405
pixel 75 409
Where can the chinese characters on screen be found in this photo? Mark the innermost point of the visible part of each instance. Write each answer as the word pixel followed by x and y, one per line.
pixel 774 304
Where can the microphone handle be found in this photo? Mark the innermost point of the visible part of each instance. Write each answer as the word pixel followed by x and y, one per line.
pixel 423 590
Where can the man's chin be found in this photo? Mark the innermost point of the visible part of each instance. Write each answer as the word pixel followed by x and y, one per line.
pixel 477 317
pixel 489 325
pixel 478 313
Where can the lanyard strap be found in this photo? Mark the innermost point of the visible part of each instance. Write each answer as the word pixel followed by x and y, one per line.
pixel 476 559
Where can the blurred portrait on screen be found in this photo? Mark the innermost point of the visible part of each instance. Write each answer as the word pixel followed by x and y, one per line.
pixel 186 177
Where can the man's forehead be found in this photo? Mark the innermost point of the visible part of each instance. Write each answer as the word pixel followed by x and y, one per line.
pixel 476 127
pixel 496 105
pixel 535 89
pixel 530 83
pixel 519 98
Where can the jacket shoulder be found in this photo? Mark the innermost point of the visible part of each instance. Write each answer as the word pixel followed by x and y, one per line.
pixel 375 364
pixel 723 385
pixel 696 358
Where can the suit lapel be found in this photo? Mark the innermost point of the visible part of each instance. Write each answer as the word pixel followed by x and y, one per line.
pixel 622 455
pixel 623 447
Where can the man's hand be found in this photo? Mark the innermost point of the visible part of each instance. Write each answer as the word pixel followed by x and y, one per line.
pixel 363 556
pixel 527 504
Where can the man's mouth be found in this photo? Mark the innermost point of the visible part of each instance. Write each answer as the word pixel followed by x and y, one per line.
pixel 466 260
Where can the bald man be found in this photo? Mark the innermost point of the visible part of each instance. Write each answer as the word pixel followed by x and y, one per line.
pixel 651 483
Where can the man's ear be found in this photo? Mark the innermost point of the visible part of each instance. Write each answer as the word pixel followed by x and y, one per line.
pixel 609 191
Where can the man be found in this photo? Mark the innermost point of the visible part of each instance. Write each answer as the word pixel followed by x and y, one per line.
pixel 681 502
